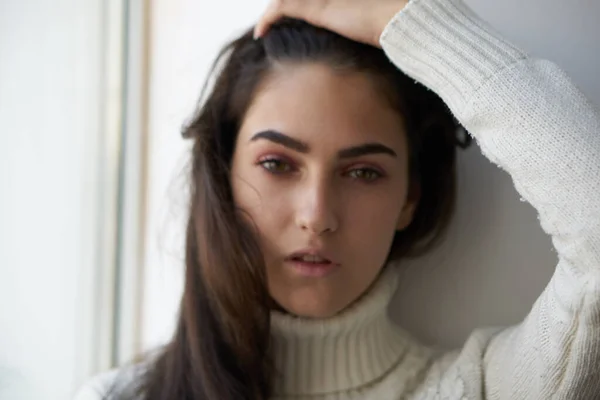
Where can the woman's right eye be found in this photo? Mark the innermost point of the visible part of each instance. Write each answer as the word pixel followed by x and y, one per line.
pixel 276 166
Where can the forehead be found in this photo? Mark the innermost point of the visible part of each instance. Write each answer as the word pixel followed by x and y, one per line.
pixel 318 103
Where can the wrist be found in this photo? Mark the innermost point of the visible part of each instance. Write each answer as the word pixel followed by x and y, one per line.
pixel 388 10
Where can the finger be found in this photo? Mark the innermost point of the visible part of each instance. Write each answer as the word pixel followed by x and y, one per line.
pixel 266 19
pixel 300 9
pixel 270 16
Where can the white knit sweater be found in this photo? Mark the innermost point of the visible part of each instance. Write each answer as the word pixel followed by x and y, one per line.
pixel 530 120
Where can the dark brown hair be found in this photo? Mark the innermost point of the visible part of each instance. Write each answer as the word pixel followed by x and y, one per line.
pixel 220 349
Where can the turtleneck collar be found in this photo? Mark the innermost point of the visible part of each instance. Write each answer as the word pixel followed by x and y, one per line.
pixel 352 349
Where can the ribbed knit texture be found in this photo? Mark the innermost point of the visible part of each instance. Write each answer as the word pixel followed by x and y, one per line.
pixel 530 120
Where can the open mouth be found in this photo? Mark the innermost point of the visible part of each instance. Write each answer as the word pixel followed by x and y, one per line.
pixel 311 264
pixel 311 259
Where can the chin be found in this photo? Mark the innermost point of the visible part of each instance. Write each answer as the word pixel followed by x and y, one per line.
pixel 314 313
pixel 311 305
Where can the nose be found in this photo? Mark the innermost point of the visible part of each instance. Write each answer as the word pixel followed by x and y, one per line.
pixel 316 209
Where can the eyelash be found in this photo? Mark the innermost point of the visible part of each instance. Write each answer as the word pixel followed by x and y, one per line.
pixel 288 167
pixel 375 175
pixel 278 162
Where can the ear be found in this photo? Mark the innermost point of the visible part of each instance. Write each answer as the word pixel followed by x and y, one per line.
pixel 408 211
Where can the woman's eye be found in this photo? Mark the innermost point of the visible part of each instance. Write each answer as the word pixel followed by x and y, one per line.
pixel 365 174
pixel 276 166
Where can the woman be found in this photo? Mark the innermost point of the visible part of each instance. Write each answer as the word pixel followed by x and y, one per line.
pixel 317 162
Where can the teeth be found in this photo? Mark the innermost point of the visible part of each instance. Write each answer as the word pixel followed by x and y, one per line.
pixel 312 258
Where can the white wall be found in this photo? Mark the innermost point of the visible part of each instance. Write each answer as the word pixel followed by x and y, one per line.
pixel 497 259
pixel 49 106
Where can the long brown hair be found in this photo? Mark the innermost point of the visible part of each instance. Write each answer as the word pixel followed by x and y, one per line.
pixel 220 349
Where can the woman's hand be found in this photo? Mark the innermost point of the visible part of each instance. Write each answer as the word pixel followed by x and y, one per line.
pixel 359 20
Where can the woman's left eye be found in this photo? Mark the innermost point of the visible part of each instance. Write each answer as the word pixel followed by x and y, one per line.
pixel 365 174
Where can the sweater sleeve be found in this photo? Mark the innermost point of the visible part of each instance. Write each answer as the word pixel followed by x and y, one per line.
pixel 530 119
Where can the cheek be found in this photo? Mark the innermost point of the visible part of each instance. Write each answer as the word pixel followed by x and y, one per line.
pixel 260 200
pixel 245 195
pixel 372 221
pixel 376 209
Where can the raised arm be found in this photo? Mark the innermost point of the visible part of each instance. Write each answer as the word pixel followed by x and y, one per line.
pixel 529 119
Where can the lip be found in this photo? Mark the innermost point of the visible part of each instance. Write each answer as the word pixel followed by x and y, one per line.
pixel 309 269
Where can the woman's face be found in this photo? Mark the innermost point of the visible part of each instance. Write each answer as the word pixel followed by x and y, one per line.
pixel 321 169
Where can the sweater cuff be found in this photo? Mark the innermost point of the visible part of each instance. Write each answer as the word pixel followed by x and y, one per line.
pixel 448 48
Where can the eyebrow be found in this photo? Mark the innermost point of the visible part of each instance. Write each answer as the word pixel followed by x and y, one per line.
pixel 301 147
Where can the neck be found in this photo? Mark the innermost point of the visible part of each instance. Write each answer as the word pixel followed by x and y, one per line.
pixel 344 352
